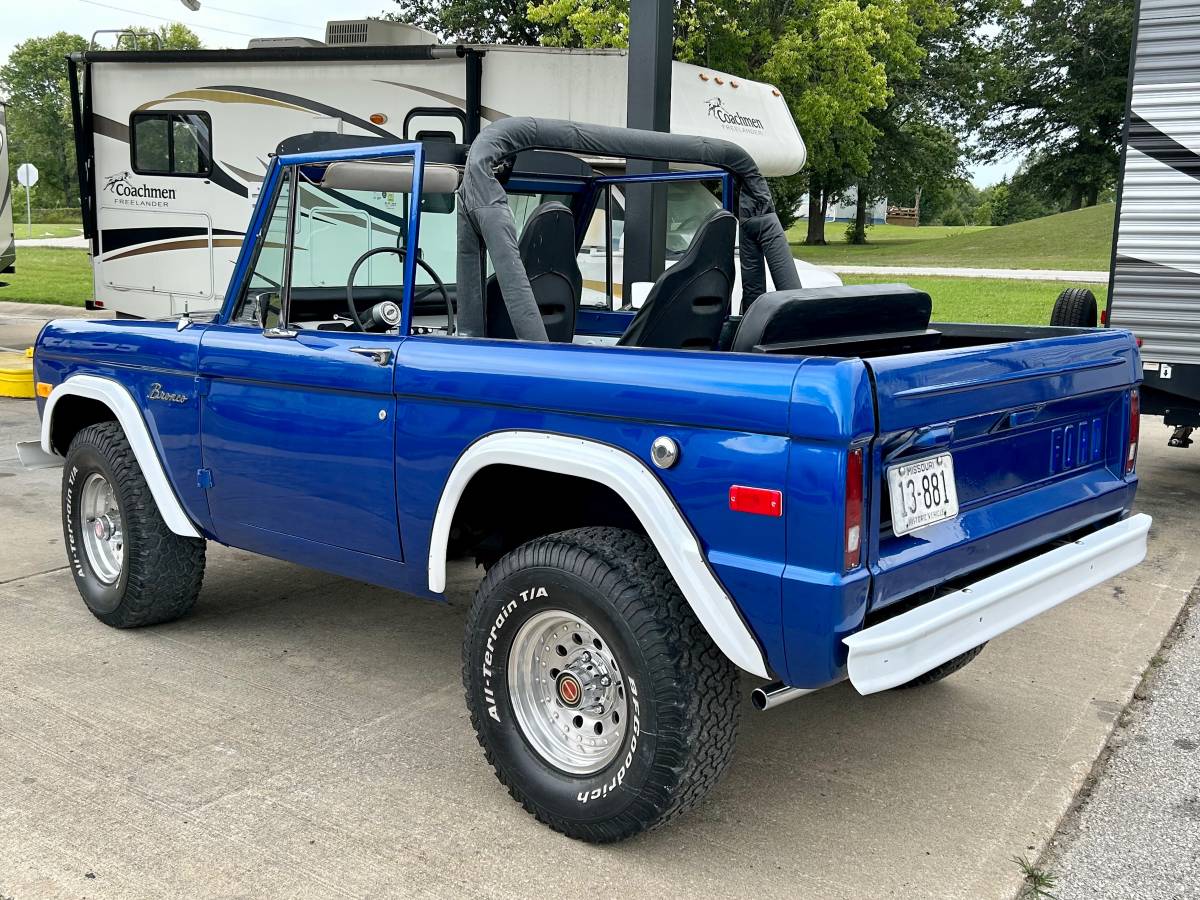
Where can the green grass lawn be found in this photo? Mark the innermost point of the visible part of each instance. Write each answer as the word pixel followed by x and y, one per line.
pixel 49 275
pixel 835 232
pixel 1081 239
pixel 46 230
pixel 987 300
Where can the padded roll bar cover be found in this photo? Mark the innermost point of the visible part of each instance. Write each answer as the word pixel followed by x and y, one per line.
pixel 846 311
pixel 548 252
pixel 688 305
pixel 765 241
pixel 483 207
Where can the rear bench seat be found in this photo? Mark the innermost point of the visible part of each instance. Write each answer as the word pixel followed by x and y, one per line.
pixel 861 320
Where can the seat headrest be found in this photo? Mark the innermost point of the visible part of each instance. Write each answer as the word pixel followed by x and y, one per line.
pixel 549 219
pixel 687 305
pixel 847 311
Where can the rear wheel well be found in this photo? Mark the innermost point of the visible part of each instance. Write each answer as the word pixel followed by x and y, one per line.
pixel 504 506
pixel 72 414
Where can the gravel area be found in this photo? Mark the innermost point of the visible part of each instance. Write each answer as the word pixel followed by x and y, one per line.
pixel 1137 832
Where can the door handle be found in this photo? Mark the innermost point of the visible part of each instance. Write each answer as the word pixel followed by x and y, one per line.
pixel 381 356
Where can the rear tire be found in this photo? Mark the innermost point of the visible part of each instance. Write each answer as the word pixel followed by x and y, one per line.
pixel 1075 308
pixel 596 607
pixel 949 667
pixel 130 568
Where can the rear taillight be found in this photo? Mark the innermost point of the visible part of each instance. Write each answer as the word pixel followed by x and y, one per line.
pixel 1104 317
pixel 854 509
pixel 1135 411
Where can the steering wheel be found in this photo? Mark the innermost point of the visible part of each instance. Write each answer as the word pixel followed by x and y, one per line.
pixel 400 252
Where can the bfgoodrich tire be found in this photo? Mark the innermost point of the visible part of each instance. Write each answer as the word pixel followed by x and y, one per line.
pixel 598 698
pixel 130 568
pixel 1075 308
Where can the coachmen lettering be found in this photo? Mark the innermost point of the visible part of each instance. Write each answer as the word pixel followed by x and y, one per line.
pixel 121 185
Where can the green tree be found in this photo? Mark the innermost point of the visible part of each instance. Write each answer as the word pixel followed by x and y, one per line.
pixel 471 21
pixel 171 36
pixel 938 200
pixel 831 59
pixel 39 106
pixel 39 114
pixel 913 155
pixel 1059 70
pixel 922 128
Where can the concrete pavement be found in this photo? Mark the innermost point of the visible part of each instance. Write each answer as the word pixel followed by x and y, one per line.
pixel 1137 832
pixel 76 242
pixel 301 735
pixel 1080 277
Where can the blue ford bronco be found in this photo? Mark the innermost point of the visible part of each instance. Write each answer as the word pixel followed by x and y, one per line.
pixel 826 487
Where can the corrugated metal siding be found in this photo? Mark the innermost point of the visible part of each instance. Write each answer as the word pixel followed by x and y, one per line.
pixel 1156 284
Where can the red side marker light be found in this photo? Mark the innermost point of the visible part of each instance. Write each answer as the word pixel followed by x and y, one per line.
pixel 759 501
pixel 1104 317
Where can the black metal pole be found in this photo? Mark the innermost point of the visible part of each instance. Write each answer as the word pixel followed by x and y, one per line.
pixel 474 94
pixel 651 33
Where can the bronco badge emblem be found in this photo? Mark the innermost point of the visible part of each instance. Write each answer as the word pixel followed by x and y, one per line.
pixel 157 393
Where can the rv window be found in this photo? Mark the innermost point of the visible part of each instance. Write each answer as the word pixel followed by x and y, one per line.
pixel 171 144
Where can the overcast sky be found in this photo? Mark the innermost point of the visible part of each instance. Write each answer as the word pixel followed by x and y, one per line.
pixel 230 23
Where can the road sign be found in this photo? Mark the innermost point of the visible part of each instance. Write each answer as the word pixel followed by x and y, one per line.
pixel 27 174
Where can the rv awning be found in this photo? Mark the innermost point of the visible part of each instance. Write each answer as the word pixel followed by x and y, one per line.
pixel 486 220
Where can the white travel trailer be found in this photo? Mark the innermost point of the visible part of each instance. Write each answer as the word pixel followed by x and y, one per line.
pixel 1155 284
pixel 8 244
pixel 172 145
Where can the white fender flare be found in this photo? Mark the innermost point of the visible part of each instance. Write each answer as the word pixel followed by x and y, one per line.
pixel 639 488
pixel 117 398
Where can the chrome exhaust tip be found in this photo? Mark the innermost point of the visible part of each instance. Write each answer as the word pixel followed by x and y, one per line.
pixel 770 696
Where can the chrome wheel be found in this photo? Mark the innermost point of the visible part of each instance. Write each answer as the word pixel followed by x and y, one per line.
pixel 568 693
pixel 103 534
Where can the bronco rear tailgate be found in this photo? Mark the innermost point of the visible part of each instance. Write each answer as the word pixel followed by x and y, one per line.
pixel 1037 432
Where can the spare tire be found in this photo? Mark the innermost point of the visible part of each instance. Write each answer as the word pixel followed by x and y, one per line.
pixel 1075 308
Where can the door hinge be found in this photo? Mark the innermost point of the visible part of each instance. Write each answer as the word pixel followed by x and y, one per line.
pixel 203 385
pixel 204 478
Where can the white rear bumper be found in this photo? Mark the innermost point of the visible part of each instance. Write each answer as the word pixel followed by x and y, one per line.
pixel 901 648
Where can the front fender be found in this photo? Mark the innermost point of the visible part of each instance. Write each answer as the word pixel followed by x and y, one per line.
pixel 118 399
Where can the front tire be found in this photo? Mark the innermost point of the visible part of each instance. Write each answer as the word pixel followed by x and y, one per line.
pixel 130 568
pixel 583 638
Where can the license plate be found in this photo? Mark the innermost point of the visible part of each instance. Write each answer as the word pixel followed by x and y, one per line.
pixel 923 492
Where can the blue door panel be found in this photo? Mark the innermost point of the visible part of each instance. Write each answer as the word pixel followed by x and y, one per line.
pixel 299 435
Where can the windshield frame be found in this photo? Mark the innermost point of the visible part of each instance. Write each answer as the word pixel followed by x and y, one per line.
pixel 265 207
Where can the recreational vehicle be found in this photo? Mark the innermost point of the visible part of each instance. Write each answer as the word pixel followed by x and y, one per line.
pixel 1155 285
pixel 173 145
pixel 8 244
